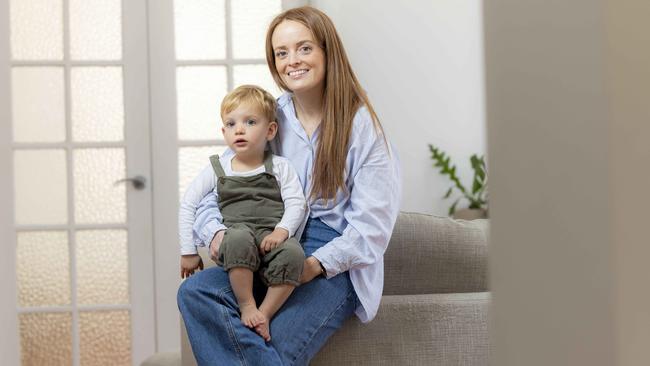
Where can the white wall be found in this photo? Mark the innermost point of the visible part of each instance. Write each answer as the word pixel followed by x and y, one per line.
pixel 421 62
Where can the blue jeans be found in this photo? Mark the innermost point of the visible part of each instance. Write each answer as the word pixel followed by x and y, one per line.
pixel 313 312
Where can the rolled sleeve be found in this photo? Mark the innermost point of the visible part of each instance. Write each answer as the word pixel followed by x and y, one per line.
pixel 202 186
pixel 208 220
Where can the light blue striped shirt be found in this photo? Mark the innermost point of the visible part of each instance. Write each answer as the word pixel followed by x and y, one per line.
pixel 365 216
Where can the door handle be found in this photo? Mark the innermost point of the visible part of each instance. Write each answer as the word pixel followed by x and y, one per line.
pixel 139 182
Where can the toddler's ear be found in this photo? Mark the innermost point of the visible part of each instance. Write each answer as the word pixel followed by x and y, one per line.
pixel 273 129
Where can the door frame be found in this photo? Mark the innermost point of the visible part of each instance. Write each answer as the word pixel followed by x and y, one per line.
pixel 162 97
pixel 140 205
pixel 9 339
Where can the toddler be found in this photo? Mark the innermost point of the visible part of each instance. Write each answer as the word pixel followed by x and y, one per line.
pixel 262 205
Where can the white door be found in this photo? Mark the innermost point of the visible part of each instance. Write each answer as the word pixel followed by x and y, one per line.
pixel 77 255
pixel 93 92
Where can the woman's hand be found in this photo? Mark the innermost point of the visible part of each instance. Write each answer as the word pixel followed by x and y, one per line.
pixel 215 244
pixel 310 270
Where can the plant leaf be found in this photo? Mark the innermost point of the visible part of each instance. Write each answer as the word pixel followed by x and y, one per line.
pixel 476 186
pixel 448 193
pixel 478 165
pixel 452 209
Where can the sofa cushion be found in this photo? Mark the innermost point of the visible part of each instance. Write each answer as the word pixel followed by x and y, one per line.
pixel 433 329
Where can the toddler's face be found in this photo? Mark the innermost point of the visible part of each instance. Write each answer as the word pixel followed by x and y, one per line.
pixel 246 131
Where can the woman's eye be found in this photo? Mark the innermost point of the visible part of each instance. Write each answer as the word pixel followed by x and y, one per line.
pixel 280 54
pixel 304 49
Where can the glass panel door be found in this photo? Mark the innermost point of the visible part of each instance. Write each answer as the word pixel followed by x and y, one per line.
pixel 78 231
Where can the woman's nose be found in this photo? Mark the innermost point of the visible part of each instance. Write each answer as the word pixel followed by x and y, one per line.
pixel 294 58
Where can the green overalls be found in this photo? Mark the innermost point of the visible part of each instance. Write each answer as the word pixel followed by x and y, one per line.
pixel 251 208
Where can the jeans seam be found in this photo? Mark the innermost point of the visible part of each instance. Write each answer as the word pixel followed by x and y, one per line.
pixel 229 326
pixel 321 326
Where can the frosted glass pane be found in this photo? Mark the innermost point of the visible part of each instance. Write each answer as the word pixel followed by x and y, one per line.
pixel 43 268
pixel 97 104
pixel 200 29
pixel 38 104
pixel 200 91
pixel 102 267
pixel 250 20
pixel 256 75
pixel 97 200
pixel 95 29
pixel 191 160
pixel 36 29
pixel 105 338
pixel 46 339
pixel 41 187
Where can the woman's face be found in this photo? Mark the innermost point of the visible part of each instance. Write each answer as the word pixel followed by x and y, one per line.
pixel 299 60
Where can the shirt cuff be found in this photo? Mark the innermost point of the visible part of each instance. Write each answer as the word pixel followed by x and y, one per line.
pixel 188 251
pixel 285 227
pixel 330 268
pixel 209 230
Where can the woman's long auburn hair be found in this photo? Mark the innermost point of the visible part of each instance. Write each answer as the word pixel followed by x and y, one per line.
pixel 342 98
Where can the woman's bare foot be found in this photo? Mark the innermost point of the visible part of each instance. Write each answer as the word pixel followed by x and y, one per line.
pixel 251 316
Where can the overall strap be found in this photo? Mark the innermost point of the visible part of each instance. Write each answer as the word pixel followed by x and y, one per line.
pixel 216 166
pixel 268 161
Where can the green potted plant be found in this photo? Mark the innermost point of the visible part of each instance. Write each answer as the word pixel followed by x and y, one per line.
pixel 476 197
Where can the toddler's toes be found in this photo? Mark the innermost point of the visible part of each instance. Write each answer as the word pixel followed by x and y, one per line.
pixel 263 330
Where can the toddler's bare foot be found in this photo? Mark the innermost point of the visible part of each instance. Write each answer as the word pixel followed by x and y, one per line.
pixel 263 330
pixel 250 315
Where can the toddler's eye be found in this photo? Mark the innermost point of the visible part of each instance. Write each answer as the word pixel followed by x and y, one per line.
pixel 251 122
pixel 230 124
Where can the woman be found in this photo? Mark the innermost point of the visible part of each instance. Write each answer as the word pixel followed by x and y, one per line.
pixel 331 134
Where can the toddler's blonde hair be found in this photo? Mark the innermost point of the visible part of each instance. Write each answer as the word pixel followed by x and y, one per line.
pixel 252 95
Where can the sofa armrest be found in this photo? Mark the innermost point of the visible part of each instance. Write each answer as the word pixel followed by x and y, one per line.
pixel 429 254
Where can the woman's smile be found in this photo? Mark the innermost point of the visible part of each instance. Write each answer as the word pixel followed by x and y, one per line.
pixel 297 74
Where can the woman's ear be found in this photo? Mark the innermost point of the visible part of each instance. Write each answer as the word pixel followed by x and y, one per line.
pixel 273 129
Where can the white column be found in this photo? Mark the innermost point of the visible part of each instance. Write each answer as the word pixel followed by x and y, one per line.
pixel 568 101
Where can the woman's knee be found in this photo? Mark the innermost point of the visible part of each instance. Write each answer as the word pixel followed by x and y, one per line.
pixel 186 292
pixel 207 282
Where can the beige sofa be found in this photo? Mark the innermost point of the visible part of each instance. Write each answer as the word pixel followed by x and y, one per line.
pixel 434 308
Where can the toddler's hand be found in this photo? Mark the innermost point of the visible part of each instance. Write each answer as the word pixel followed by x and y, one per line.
pixel 215 244
pixel 277 237
pixel 189 264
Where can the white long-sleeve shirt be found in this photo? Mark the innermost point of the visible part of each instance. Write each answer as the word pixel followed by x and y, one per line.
pixel 365 217
pixel 204 184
